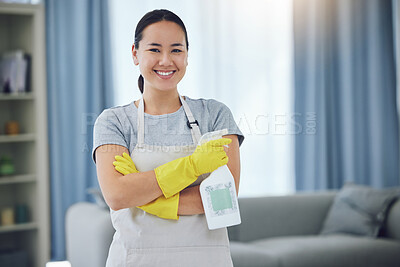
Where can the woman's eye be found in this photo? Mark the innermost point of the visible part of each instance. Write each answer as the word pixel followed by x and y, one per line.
pixel 154 50
pixel 176 51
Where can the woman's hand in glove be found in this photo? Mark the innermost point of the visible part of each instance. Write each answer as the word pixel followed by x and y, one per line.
pixel 176 175
pixel 124 164
pixel 161 207
pixel 209 156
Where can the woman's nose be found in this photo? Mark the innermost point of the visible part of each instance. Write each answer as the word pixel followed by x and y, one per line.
pixel 165 60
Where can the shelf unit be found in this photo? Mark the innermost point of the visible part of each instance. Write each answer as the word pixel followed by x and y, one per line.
pixel 22 27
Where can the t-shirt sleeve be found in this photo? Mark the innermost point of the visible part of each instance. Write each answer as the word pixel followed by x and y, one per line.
pixel 107 131
pixel 222 118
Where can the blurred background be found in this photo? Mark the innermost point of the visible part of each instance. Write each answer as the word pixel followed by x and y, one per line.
pixel 313 86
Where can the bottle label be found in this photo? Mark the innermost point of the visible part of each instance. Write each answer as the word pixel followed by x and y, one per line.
pixel 220 199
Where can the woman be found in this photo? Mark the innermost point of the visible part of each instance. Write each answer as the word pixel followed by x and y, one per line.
pixel 154 197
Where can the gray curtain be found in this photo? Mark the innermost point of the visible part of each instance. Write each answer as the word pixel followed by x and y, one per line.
pixel 345 76
pixel 79 88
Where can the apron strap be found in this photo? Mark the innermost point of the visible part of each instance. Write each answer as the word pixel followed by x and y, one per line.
pixel 192 123
pixel 140 124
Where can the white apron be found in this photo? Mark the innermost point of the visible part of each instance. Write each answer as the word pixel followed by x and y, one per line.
pixel 142 239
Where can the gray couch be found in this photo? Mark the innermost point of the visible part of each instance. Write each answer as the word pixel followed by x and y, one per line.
pixel 284 231
pixel 275 231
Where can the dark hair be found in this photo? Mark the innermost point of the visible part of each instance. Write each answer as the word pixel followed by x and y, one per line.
pixel 150 18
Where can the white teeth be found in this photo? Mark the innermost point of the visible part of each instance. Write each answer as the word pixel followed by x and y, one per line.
pixel 164 73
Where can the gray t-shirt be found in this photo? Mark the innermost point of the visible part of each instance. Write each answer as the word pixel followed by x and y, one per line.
pixel 118 125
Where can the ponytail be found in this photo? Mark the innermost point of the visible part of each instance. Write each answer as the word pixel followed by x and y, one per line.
pixel 140 83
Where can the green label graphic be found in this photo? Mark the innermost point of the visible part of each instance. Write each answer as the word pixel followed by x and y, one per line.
pixel 221 199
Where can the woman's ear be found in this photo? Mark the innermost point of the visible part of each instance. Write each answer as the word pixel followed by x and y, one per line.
pixel 134 55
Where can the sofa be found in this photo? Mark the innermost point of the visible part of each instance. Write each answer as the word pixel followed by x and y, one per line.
pixel 279 231
pixel 284 231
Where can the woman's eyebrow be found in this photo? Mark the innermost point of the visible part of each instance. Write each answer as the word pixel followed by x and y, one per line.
pixel 153 44
pixel 157 44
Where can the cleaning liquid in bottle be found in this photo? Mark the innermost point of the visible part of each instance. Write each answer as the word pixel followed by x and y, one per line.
pixel 218 192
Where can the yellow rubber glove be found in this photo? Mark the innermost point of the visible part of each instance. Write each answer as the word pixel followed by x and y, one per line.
pixel 166 208
pixel 176 175
pixel 124 164
pixel 161 207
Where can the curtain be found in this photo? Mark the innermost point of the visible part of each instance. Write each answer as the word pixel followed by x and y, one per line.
pixel 79 88
pixel 396 31
pixel 345 94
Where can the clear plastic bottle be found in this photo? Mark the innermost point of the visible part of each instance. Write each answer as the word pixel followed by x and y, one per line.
pixel 218 192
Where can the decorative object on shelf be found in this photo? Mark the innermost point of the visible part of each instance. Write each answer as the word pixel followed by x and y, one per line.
pixel 21 213
pixel 12 128
pixel 7 216
pixel 6 86
pixel 6 166
pixel 15 72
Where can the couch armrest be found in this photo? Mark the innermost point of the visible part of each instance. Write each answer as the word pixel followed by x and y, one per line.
pixel 89 233
pixel 298 214
pixel 393 221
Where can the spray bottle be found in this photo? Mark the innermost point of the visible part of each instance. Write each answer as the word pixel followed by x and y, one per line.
pixel 218 192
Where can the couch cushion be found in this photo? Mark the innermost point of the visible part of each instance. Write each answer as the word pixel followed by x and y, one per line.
pixel 359 210
pixel 248 255
pixel 273 216
pixel 332 251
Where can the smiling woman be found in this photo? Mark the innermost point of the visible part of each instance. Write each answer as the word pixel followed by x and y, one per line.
pixel 150 162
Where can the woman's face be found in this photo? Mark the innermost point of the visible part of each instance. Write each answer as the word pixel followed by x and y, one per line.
pixel 162 56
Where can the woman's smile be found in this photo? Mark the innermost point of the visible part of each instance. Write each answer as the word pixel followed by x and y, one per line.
pixel 165 74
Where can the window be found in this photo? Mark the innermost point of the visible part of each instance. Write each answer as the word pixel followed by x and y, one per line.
pixel 240 53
